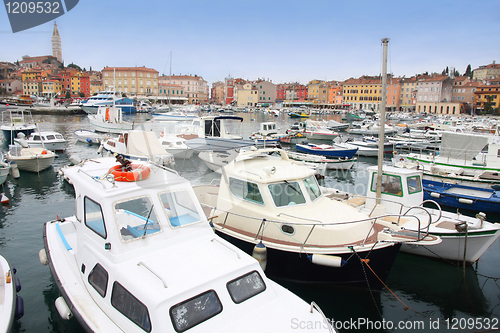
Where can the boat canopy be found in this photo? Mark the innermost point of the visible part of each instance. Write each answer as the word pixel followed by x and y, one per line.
pixel 144 143
pixel 462 145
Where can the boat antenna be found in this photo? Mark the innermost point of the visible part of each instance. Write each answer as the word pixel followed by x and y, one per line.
pixel 381 134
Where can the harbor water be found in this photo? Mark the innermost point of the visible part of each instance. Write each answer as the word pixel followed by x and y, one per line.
pixel 421 294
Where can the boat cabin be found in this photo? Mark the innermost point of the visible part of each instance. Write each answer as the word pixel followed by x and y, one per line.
pixel 399 186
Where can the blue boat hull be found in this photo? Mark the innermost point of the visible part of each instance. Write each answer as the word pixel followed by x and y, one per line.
pixel 446 194
pixel 346 153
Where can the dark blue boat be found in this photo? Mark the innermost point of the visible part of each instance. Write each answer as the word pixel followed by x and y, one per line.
pixel 326 150
pixel 462 197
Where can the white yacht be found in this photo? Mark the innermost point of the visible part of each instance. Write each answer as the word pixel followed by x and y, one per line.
pixel 140 256
pixel 107 98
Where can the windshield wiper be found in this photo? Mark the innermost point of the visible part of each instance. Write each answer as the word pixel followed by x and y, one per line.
pixel 291 186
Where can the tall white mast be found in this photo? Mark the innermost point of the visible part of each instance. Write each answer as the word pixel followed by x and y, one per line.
pixel 381 134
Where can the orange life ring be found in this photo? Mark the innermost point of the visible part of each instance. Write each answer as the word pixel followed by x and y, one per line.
pixel 139 172
pixel 107 114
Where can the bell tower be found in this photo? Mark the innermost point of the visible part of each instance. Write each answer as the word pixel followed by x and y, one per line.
pixel 56 44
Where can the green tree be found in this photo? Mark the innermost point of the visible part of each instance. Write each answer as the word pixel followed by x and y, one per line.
pixel 68 95
pixel 468 72
pixel 72 65
pixel 488 108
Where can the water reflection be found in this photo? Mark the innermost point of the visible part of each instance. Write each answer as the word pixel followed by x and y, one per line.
pixel 57 324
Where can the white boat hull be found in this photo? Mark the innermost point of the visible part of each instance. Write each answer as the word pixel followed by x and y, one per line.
pixel 106 127
pixel 32 159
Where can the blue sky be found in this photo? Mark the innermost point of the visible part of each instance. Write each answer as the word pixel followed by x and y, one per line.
pixel 282 40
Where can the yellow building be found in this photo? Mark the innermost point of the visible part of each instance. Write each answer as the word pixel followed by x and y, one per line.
pixel 30 75
pixel 51 87
pixel 32 87
pixel 313 90
pixel 408 98
pixel 247 95
pixel 487 96
pixel 486 72
pixel 364 93
pixel 138 81
pixel 75 83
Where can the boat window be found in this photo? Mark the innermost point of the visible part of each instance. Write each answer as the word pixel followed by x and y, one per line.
pixel 286 193
pixel 390 184
pixel 51 137
pixel 288 229
pixel 245 190
pixel 36 138
pixel 94 218
pixel 246 286
pixel 194 311
pixel 98 278
pixel 312 187
pixel 414 184
pixel 136 218
pixel 130 307
pixel 180 208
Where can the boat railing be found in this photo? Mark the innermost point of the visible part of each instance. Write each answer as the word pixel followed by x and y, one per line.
pixel 403 209
pixel 314 223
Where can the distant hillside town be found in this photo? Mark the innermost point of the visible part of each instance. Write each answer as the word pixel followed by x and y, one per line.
pixel 476 91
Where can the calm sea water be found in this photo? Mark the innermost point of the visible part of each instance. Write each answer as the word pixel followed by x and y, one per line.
pixel 422 294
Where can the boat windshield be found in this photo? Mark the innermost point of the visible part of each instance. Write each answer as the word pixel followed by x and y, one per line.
pixel 286 193
pixel 180 208
pixel 136 218
pixel 312 187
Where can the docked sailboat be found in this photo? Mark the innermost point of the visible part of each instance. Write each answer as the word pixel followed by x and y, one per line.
pixel 139 256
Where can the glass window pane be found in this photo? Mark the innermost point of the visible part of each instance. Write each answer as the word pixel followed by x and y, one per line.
pixel 246 286
pixel 286 193
pixel 195 310
pixel 130 307
pixel 245 190
pixel 390 184
pixel 312 187
pixel 414 184
pixel 136 218
pixel 98 278
pixel 179 207
pixel 94 218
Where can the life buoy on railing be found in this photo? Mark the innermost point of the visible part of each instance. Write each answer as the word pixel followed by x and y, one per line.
pixel 138 172
pixel 107 114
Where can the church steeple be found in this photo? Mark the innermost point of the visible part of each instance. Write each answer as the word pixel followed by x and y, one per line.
pixel 56 44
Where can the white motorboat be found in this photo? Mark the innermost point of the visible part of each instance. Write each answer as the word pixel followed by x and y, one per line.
pixel 273 202
pixel 4 170
pixel 49 140
pixel 331 163
pixel 109 119
pixel 11 304
pixel 371 128
pixel 318 130
pixel 30 159
pixel 140 256
pixel 173 116
pixel 89 137
pixel 107 99
pixel 464 238
pixel 224 127
pixel 267 134
pixel 472 152
pixel 137 145
pixel 16 121
pixel 215 160
pixel 175 145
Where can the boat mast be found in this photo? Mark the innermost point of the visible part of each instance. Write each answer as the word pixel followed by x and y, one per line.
pixel 381 134
pixel 170 82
